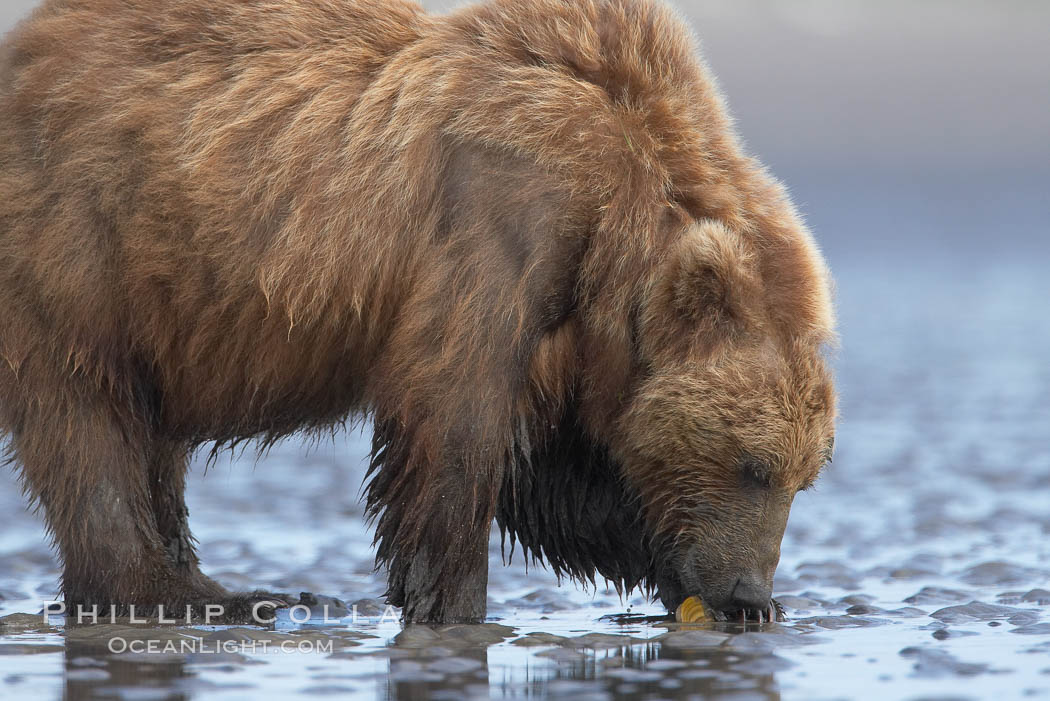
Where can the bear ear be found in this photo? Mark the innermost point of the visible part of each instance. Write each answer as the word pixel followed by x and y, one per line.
pixel 710 276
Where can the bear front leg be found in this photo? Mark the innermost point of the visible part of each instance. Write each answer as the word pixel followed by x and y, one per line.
pixel 443 581
pixel 433 531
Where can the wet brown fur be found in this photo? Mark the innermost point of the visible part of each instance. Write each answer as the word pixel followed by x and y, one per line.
pixel 521 237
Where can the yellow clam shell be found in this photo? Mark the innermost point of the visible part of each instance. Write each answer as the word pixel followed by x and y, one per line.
pixel 692 611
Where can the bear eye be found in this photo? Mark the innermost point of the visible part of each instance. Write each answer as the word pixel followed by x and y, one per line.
pixel 755 472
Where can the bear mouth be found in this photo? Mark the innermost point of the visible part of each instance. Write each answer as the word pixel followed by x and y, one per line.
pixel 698 611
pixel 773 612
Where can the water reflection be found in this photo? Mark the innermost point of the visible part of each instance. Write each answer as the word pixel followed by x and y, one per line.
pixel 695 661
pixel 453 662
pixel 92 672
pixel 640 671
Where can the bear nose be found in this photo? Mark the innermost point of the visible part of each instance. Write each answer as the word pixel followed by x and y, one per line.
pixel 751 593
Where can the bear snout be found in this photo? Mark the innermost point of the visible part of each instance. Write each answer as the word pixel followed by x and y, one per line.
pixel 729 591
pixel 746 597
pixel 750 592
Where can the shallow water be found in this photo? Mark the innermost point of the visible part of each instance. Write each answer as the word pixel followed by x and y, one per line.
pixel 919 567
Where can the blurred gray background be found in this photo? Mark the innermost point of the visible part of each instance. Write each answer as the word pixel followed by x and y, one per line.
pixel 897 122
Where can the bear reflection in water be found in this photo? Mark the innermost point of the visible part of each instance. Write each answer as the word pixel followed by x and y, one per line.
pixel 425 662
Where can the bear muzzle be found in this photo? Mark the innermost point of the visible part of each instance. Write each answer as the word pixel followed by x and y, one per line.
pixel 737 594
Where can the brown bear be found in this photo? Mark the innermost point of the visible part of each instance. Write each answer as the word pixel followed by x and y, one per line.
pixel 522 238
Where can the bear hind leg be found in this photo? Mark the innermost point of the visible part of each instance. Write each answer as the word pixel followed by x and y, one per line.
pixel 166 472
pixel 167 469
pixel 86 468
pixel 89 467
